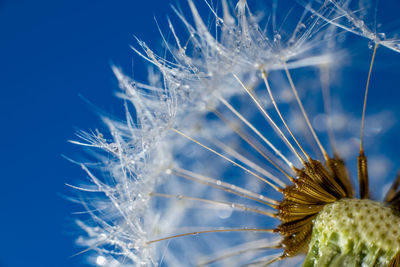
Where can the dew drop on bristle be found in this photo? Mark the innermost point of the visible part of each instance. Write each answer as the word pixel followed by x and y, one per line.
pixel 277 37
pixel 381 36
pixel 371 44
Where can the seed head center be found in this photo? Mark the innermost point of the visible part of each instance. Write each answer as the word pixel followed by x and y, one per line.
pixel 355 231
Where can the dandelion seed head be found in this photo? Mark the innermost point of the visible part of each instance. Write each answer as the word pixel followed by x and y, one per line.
pixel 204 149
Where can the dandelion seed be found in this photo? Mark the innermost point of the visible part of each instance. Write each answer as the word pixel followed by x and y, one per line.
pixel 198 178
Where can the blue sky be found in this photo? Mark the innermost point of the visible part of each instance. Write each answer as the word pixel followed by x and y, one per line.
pixel 53 55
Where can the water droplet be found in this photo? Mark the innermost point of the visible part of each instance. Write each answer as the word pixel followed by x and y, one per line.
pixel 277 37
pixel 163 97
pixel 381 36
pixel 225 213
pixel 101 260
pixel 370 44
pixel 359 23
